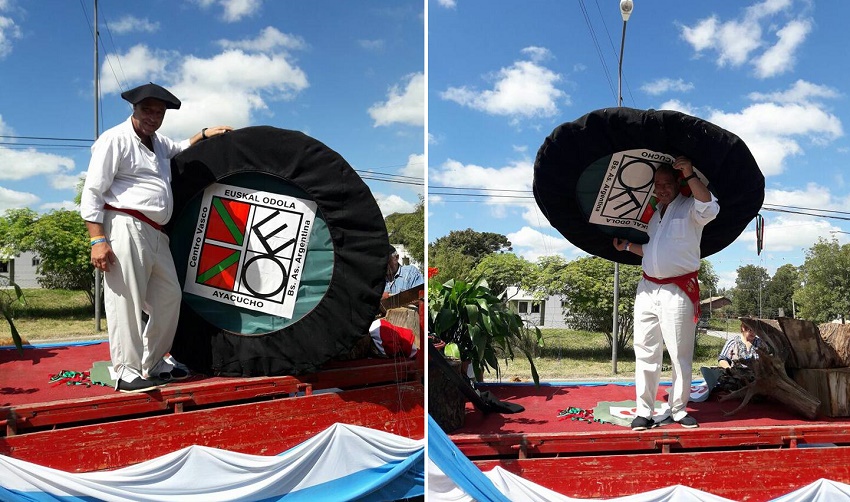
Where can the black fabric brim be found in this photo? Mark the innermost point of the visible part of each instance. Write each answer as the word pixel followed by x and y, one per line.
pixel 734 175
pixel 360 244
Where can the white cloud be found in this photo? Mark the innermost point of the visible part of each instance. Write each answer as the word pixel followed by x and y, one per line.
pixel 233 10
pixel 10 199
pixel 9 32
pixel 21 164
pixel 449 4
pixel 800 92
pixel 537 54
pixel 531 244
pixel 415 167
pixel 770 130
pixel 269 39
pixel 676 105
pixel 4 128
pixel 814 196
pixel 776 124
pixel 140 64
pixel 390 204
pixel 229 88
pixel 664 85
pixel 65 204
pixel 781 57
pixel 789 233
pixel 738 41
pixel 65 181
pixel 403 105
pixel 130 24
pixel 524 89
pixel 371 45
pixel 516 176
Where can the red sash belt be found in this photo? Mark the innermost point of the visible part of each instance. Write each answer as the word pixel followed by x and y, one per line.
pixel 687 283
pixel 135 214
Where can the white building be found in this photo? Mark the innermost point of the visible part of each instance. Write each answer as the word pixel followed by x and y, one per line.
pixel 546 313
pixel 404 257
pixel 21 269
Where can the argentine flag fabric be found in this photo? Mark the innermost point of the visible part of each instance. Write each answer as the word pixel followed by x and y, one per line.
pixel 344 462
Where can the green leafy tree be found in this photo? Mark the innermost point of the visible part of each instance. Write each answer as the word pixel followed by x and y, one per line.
pixel 408 229
pixel 587 284
pixel 780 290
pixel 502 270
pixel 15 228
pixel 450 263
pixel 471 243
pixel 61 240
pixel 825 293
pixel 707 280
pixel 750 285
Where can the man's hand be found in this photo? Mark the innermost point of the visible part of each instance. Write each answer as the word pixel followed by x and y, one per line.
pixel 684 164
pixel 102 256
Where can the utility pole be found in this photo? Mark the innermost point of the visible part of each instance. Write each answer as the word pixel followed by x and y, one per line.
pixel 98 276
pixel 626 8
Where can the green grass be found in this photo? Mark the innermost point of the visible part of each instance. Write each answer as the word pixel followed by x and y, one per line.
pixel 50 314
pixel 582 355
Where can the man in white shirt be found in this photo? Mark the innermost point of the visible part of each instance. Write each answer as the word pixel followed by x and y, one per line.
pixel 125 201
pixel 667 302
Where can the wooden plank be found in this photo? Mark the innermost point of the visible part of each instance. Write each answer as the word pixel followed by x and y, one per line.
pixel 183 396
pixel 808 348
pixel 831 386
pixel 265 428
pixel 613 442
pixel 751 476
pixel 176 397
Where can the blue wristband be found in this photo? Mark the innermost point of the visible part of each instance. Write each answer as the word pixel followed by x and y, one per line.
pixel 98 241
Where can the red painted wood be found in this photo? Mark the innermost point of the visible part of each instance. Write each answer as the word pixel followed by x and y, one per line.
pixel 547 444
pixel 26 417
pixel 184 396
pixel 262 428
pixel 751 476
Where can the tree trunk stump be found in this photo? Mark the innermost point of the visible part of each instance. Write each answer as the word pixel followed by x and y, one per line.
pixel 837 336
pixel 772 381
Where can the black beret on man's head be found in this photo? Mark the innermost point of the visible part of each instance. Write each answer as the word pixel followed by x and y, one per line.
pixel 152 90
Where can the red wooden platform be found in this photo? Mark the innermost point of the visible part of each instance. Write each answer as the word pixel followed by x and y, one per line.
pixel 757 454
pixel 80 429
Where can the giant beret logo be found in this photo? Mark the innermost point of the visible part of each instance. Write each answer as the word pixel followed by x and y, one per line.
pixel 249 248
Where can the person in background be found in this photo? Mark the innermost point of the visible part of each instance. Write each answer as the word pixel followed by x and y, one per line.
pixel 740 348
pixel 667 302
pixel 125 202
pixel 400 277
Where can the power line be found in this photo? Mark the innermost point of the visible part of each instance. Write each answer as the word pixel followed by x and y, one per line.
pixel 42 138
pixel 596 45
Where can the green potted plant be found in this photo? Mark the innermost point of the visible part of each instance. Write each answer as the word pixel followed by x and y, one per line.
pixel 477 326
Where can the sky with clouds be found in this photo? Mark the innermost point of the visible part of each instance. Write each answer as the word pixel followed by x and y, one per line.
pixel 350 74
pixel 502 75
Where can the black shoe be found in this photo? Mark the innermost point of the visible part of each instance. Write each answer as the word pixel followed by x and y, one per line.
pixel 138 385
pixel 642 424
pixel 688 421
pixel 179 374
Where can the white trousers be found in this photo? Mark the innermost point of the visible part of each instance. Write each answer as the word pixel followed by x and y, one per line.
pixel 663 313
pixel 142 278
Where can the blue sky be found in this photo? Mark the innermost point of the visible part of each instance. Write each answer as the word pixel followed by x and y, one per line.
pixel 350 74
pixel 504 74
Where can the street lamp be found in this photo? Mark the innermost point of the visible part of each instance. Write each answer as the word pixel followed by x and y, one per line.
pixel 626 8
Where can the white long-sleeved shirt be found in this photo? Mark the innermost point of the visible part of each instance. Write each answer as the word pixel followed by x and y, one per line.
pixel 125 174
pixel 673 247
